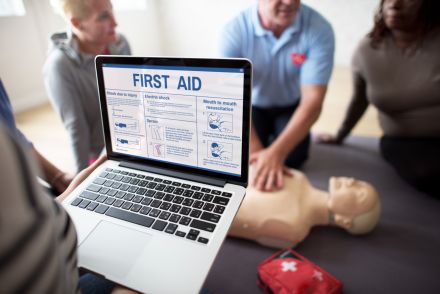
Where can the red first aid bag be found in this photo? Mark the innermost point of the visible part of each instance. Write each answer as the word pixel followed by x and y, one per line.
pixel 287 272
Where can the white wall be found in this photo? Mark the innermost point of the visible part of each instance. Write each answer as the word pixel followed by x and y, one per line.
pixel 25 41
pixel 351 20
pixel 22 54
pixel 167 27
pixel 142 29
pixel 192 26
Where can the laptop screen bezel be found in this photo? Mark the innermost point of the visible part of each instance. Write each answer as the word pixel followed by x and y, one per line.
pixel 244 64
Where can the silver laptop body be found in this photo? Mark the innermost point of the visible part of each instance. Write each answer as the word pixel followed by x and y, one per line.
pixel 154 215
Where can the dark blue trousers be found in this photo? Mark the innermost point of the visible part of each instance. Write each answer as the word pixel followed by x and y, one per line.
pixel 416 160
pixel 270 122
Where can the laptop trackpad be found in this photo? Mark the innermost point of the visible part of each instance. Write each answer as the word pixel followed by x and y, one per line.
pixel 111 249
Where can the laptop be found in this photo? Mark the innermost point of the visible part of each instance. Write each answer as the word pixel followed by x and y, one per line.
pixel 154 215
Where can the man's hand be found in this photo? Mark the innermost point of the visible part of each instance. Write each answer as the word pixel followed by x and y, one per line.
pixel 81 177
pixel 268 170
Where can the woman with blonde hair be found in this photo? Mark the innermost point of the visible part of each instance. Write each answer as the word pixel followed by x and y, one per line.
pixel 69 72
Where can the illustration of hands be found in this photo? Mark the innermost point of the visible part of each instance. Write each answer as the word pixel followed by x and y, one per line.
pixel 217 151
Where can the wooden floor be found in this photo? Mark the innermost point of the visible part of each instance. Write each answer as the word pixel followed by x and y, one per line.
pixel 44 128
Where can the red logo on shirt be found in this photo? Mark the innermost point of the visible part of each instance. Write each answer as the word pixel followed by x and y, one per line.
pixel 298 58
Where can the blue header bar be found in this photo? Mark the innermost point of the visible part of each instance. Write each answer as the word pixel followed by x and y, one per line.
pixel 171 67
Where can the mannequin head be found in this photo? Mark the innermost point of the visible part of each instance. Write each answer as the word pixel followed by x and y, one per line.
pixel 354 204
pixel 286 216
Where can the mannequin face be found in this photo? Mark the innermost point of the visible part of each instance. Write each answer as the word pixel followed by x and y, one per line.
pixel 350 198
pixel 98 27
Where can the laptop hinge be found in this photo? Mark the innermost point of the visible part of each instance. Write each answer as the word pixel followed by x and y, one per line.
pixel 181 175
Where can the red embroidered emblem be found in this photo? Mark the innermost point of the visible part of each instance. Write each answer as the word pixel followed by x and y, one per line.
pixel 298 58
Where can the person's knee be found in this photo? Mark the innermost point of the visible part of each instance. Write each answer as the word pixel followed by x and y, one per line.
pixel 422 176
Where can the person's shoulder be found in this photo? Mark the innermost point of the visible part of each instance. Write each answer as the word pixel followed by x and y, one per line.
pixel 365 47
pixel 316 29
pixel 56 62
pixel 314 20
pixel 364 44
pixel 363 52
pixel 61 54
pixel 56 55
pixel 122 38
pixel 122 46
pixel 433 37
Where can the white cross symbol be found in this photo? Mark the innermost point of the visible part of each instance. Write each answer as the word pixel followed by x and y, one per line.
pixel 317 275
pixel 289 266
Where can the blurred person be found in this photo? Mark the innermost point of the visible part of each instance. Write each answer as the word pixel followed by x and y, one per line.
pixel 38 251
pixel 38 240
pixel 291 47
pixel 57 179
pixel 396 67
pixel 69 73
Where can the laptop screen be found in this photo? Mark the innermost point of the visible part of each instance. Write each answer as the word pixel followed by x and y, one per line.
pixel 184 115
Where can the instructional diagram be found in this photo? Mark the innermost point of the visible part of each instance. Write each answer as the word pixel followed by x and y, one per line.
pixel 128 142
pixel 124 124
pixel 157 132
pixel 187 117
pixel 171 123
pixel 158 149
pixel 221 122
pixel 222 151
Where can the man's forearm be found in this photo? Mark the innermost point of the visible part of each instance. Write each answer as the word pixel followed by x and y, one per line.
pixel 296 130
pixel 302 120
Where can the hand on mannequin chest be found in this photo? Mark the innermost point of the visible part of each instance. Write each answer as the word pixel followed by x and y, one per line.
pixel 284 218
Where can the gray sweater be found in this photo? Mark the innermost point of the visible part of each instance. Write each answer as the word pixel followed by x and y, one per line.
pixel 70 81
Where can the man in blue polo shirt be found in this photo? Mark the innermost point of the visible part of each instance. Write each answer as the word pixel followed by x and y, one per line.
pixel 291 47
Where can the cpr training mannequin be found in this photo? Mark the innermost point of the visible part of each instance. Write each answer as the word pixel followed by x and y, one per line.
pixel 284 218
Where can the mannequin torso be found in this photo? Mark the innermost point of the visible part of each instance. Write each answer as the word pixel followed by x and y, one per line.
pixel 284 218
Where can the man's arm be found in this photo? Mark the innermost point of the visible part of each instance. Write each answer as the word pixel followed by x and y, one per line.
pixel 315 74
pixel 302 120
pixel 269 162
pixel 358 103
pixel 356 109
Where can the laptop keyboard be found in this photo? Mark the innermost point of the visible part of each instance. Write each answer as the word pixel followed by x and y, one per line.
pixel 155 203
